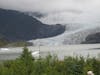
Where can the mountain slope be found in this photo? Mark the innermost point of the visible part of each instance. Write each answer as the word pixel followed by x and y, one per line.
pixel 15 25
pixel 69 37
pixel 92 38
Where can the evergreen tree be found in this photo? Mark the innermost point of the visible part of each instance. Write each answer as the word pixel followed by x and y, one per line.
pixel 27 59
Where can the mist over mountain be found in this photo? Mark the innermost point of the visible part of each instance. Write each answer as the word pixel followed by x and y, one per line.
pixel 76 19
pixel 15 26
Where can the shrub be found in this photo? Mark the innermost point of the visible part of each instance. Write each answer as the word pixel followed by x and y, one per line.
pixel 27 65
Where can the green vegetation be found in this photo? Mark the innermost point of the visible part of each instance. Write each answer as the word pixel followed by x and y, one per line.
pixel 27 65
pixel 5 43
pixel 19 44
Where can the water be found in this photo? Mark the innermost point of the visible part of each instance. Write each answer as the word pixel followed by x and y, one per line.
pixel 93 50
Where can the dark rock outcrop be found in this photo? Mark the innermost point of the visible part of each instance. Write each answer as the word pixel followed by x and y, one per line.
pixel 15 25
pixel 92 39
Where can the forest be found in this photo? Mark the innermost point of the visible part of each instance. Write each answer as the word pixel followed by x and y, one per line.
pixel 50 65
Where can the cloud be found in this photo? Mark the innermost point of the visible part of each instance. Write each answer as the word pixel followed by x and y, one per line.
pixel 58 11
pixel 45 5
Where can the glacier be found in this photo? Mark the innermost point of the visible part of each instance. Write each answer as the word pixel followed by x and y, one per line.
pixel 68 37
pixel 80 21
pixel 80 17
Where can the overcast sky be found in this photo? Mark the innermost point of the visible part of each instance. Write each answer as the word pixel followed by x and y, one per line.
pixel 58 11
pixel 49 5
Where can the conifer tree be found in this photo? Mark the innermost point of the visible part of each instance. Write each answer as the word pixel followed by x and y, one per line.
pixel 27 59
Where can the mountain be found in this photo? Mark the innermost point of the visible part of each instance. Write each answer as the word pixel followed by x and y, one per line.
pixel 92 38
pixel 70 36
pixel 17 26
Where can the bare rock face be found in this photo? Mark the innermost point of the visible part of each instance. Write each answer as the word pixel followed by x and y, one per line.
pixel 15 25
pixel 92 38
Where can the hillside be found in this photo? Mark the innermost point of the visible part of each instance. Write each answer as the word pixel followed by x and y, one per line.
pixel 93 38
pixel 17 26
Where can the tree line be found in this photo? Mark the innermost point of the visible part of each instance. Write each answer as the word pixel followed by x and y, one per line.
pixel 50 65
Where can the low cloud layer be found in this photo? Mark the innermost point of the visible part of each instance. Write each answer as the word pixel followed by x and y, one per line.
pixel 58 11
pixel 49 5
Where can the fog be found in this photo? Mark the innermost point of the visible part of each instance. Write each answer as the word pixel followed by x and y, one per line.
pixel 79 16
pixel 58 11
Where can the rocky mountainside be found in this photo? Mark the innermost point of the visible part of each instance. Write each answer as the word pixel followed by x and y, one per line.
pixel 70 37
pixel 16 25
pixel 92 38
